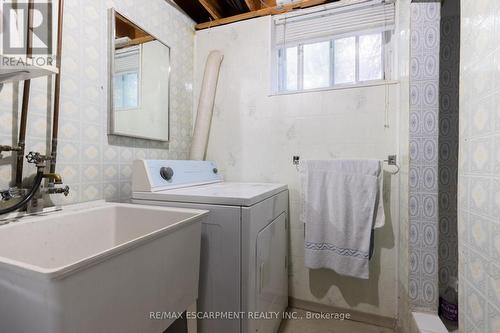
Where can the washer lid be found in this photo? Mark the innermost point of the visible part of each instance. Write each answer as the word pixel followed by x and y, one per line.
pixel 224 193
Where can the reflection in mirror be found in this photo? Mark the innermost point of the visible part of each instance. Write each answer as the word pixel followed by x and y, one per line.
pixel 139 82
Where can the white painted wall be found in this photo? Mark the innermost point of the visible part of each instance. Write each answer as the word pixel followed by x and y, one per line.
pixel 254 136
pixel 403 74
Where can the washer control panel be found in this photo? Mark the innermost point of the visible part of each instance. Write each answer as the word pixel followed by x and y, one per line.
pixel 157 175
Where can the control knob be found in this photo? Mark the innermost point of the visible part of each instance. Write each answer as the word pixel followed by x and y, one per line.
pixel 166 173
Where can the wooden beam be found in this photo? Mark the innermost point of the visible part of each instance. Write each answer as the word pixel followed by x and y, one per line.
pixel 126 28
pixel 213 8
pixel 269 3
pixel 141 40
pixel 253 4
pixel 261 12
pixel 137 41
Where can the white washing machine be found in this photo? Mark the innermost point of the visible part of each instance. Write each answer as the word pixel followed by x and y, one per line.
pixel 244 247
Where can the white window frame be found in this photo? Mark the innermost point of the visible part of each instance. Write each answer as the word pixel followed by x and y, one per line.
pixel 279 72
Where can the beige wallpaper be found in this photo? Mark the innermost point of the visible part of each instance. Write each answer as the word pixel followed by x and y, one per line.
pixel 94 165
pixel 479 167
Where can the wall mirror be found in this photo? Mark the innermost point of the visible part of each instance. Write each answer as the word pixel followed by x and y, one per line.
pixel 139 79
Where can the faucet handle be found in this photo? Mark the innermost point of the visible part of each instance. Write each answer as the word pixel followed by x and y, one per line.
pixel 65 190
pixel 6 194
pixel 34 157
pixel 37 158
pixel 12 192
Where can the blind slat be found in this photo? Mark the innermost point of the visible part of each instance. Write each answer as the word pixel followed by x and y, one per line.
pixel 370 16
pixel 127 59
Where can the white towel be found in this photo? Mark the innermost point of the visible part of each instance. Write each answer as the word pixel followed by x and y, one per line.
pixel 342 203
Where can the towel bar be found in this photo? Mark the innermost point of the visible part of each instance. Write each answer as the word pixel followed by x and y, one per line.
pixel 391 160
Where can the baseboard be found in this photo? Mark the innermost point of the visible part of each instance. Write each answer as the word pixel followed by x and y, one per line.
pixel 359 316
pixel 427 322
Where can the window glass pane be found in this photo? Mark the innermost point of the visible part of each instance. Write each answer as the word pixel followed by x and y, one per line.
pixel 317 65
pixel 345 60
pixel 118 92
pixel 370 57
pixel 126 90
pixel 130 90
pixel 289 69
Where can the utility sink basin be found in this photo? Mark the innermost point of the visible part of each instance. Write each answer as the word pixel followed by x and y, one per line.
pixel 98 267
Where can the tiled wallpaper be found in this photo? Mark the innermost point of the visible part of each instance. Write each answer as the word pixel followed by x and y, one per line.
pixel 449 68
pixel 254 136
pixel 479 167
pixel 94 165
pixel 423 172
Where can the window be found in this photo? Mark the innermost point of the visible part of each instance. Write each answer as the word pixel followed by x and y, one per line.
pixel 126 87
pixel 342 61
pixel 126 79
pixel 290 66
pixel 370 57
pixel 316 65
pixel 332 45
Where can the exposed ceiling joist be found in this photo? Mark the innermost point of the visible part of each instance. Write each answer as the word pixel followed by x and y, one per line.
pixel 268 3
pixel 261 12
pixel 213 8
pixel 253 4
pixel 220 12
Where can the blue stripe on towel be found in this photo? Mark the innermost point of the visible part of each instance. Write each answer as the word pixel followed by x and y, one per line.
pixel 338 250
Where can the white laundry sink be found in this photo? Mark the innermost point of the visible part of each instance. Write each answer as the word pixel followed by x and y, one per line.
pixel 98 267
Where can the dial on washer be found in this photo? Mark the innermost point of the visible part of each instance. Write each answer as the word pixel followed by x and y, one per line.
pixel 166 173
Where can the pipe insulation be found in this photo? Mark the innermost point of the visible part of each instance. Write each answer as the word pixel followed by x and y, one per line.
pixel 206 106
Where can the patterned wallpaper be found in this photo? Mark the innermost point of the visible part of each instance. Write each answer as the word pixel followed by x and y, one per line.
pixel 449 67
pixel 479 167
pixel 94 165
pixel 423 173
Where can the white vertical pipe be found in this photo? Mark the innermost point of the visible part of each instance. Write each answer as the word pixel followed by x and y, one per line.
pixel 205 106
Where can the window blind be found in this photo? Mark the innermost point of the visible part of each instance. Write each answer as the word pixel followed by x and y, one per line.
pixel 128 59
pixel 336 19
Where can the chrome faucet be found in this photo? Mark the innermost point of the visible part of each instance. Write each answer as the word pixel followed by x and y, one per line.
pixel 37 203
pixel 31 198
pixel 11 193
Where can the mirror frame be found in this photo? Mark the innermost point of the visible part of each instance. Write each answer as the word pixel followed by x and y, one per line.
pixel 111 66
